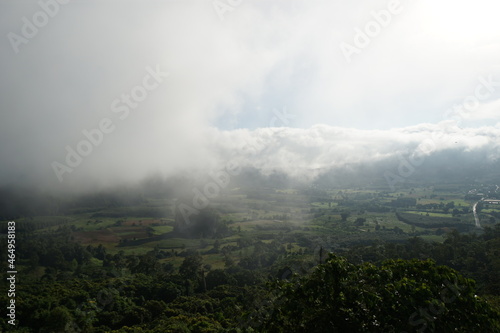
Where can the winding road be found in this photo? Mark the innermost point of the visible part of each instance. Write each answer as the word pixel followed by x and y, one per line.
pixel 474 210
pixel 476 217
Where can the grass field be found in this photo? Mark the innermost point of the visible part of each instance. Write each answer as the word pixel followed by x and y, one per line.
pixel 261 216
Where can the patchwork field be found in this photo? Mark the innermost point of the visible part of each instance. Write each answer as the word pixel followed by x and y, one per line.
pixel 298 219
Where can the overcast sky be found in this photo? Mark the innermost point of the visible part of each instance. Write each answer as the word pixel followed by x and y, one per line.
pixel 290 85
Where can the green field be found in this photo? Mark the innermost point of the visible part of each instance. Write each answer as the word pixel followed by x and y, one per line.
pixel 253 216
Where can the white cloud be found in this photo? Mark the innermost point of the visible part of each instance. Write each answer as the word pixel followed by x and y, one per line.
pixel 488 110
pixel 267 55
pixel 305 152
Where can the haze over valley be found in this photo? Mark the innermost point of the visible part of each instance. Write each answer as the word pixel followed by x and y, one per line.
pixel 250 166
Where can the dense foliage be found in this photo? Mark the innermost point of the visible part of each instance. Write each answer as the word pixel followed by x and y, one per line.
pixel 257 260
pixel 398 295
pixel 66 287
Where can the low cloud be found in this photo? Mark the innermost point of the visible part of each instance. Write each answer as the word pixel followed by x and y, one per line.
pixel 227 76
pixel 308 152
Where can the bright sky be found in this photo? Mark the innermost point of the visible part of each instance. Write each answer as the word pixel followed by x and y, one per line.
pixel 234 67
